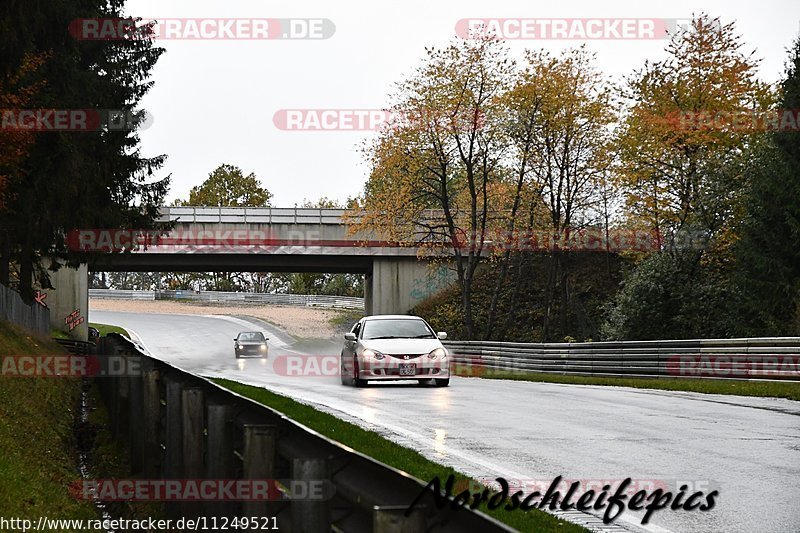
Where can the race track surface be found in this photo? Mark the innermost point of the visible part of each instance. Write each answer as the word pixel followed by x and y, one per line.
pixel 746 448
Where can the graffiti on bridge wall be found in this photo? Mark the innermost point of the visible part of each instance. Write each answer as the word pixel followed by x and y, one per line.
pixel 438 277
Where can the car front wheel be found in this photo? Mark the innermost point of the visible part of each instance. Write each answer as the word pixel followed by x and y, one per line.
pixel 442 382
pixel 343 374
pixel 358 382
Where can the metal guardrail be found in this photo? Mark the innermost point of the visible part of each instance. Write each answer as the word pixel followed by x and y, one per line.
pixel 76 347
pixel 762 359
pixel 120 294
pixel 303 300
pixel 181 426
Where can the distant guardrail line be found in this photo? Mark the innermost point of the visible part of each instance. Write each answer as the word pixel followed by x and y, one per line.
pixel 760 359
pixel 303 300
pixel 120 294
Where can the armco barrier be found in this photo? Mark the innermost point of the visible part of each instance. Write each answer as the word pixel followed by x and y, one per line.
pixel 303 300
pixel 181 426
pixel 763 359
pixel 119 294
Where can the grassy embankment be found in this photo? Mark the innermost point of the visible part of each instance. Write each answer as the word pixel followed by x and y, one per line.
pixel 38 449
pixel 38 460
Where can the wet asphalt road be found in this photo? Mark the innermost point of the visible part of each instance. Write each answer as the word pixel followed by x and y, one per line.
pixel 746 448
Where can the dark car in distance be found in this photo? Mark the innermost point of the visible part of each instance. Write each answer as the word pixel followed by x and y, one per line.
pixel 250 343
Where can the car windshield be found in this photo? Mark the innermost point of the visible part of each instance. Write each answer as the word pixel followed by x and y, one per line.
pixel 396 329
pixel 251 336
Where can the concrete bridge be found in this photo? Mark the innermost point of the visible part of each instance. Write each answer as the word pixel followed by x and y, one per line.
pixel 273 240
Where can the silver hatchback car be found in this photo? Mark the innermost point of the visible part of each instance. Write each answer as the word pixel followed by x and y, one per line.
pixel 394 347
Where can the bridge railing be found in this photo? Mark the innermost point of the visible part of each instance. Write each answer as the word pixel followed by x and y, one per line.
pixel 762 359
pixel 252 215
pixel 279 215
pixel 302 300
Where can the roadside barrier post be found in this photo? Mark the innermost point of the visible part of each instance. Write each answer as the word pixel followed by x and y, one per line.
pixel 151 423
pixel 258 461
pixel 121 392
pixel 392 519
pixel 311 514
pixel 136 421
pixel 192 427
pixel 219 450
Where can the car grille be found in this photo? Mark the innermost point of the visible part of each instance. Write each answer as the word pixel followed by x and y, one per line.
pixel 406 357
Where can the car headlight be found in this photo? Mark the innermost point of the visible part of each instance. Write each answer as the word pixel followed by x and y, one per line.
pixel 438 352
pixel 236 346
pixel 263 347
pixel 373 353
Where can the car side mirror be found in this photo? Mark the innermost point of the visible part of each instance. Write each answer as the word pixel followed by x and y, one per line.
pixel 349 336
pixel 442 335
pixel 236 338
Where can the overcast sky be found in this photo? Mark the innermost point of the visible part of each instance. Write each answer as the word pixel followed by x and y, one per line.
pixel 214 100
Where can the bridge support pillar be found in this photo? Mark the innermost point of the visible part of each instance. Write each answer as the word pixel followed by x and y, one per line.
pixel 69 301
pixel 399 283
pixel 368 294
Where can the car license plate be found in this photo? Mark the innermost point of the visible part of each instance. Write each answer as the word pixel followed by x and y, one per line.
pixel 409 369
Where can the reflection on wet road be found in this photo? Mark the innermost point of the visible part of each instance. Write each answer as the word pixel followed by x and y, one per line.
pixel 746 448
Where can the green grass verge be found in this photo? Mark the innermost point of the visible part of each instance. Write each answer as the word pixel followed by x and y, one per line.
pixel 37 460
pixel 345 318
pixel 386 451
pixel 105 329
pixel 58 334
pixel 770 389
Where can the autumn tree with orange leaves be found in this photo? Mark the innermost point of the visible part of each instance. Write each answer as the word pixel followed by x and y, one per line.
pixel 679 154
pixel 16 92
pixel 685 166
pixel 486 152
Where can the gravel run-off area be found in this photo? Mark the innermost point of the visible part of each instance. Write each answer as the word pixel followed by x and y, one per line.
pixel 302 322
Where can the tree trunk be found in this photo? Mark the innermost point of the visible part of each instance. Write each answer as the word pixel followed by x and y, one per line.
pixel 511 314
pixel 5 257
pixel 26 269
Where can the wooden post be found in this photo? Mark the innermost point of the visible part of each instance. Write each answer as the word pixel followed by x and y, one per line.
pixel 136 421
pixel 193 442
pixel 173 465
pixel 151 424
pixel 258 458
pixel 219 452
pixel 392 519
pixel 311 513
